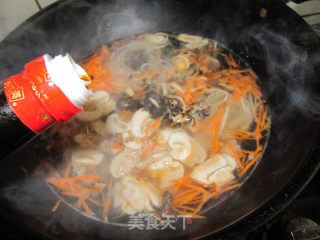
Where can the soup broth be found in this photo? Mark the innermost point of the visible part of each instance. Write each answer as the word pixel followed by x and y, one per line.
pixel 174 124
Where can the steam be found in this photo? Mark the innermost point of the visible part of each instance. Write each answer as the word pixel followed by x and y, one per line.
pixel 290 71
pixel 125 23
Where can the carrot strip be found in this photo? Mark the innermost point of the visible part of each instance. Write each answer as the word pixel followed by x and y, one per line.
pixel 228 188
pixel 156 123
pixel 86 207
pixel 94 202
pixel 107 201
pixel 84 178
pixel 215 128
pixel 185 213
pixel 185 198
pixel 78 203
pixel 117 147
pixel 106 208
pixel 249 165
pixel 190 185
pixel 56 205
pixel 235 155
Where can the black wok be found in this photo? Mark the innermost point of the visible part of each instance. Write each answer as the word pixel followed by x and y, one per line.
pixel 273 40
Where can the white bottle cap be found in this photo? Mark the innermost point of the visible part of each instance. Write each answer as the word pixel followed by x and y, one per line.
pixel 66 74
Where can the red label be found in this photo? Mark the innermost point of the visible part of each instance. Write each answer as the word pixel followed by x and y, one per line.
pixel 25 105
pixel 35 99
pixel 52 98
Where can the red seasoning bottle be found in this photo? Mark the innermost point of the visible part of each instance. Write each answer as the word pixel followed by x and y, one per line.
pixel 49 90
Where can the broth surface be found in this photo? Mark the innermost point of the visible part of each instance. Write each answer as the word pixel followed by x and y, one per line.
pixel 175 124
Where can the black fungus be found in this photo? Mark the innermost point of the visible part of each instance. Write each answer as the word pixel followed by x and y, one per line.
pixel 129 103
pixel 155 105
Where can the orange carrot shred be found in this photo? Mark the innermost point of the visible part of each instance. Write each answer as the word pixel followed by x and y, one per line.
pixel 56 205
pixel 235 155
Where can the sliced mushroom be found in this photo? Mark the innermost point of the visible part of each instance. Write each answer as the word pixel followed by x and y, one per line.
pixel 205 172
pixel 135 196
pixel 181 145
pixel 108 107
pixel 123 163
pixel 139 122
pixel 160 39
pixel 166 170
pixel 192 41
pixel 115 125
pixel 130 142
pixel 222 176
pixel 199 151
pixel 94 108
pixel 98 96
pixel 99 127
pixel 181 63
pixel 81 158
pixel 164 135
pixel 90 115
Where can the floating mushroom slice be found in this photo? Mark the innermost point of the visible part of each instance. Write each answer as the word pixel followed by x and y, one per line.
pixel 99 127
pixel 115 125
pixel 123 163
pixel 181 63
pixel 198 154
pixel 192 41
pixel 96 156
pixel 204 172
pixel 153 194
pixel 130 142
pixel 199 44
pixel 163 163
pixel 138 196
pixel 81 158
pixel 232 164
pixel 95 107
pixel 99 96
pixel 139 122
pixel 133 194
pixel 222 176
pixel 90 115
pixel 160 39
pixel 166 170
pixel 175 171
pixel 107 107
pixel 159 153
pixel 199 151
pixel 180 145
pixel 189 38
pixel 164 135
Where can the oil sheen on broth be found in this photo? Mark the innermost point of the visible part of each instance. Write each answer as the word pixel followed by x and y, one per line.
pixel 176 122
